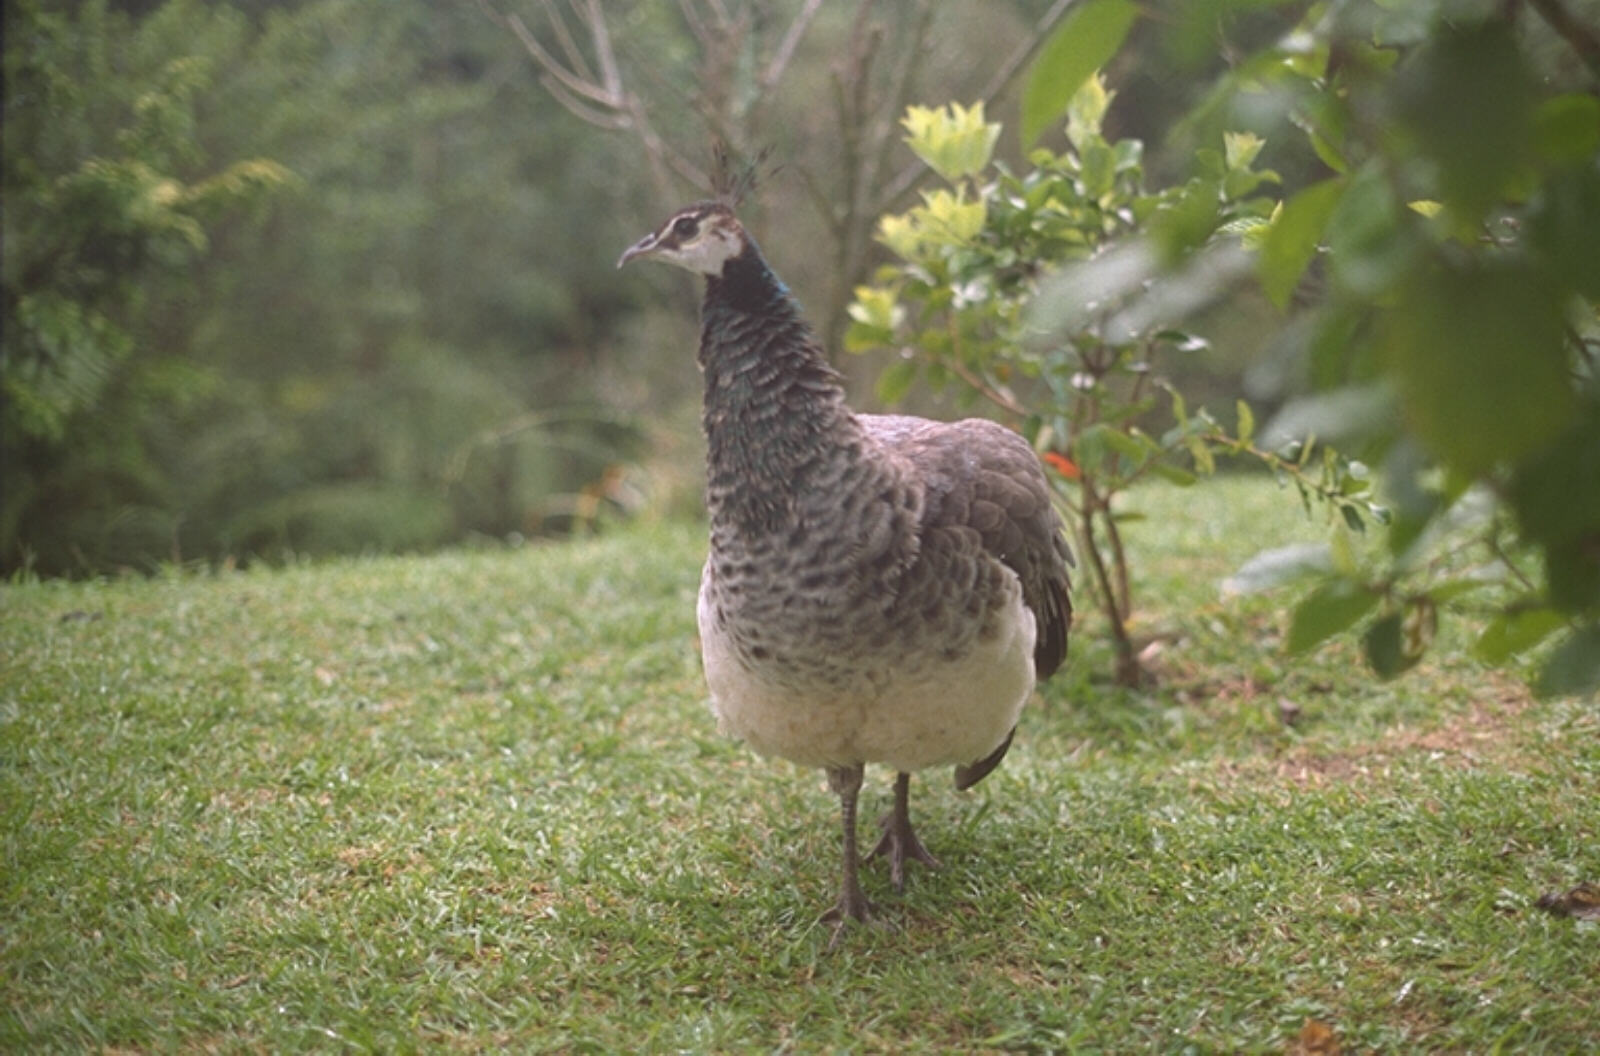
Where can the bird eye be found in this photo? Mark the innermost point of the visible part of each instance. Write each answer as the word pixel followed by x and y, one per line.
pixel 686 227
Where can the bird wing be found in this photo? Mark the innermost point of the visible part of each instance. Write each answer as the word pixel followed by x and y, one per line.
pixel 980 475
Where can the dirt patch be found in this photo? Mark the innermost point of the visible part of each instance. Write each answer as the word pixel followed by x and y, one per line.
pixel 1488 732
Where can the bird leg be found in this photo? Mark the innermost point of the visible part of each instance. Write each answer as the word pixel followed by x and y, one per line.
pixel 898 841
pixel 852 904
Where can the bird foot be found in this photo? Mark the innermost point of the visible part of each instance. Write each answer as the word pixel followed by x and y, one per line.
pixel 852 907
pixel 898 843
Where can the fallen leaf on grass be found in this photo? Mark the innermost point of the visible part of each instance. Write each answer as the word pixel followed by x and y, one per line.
pixel 1582 902
pixel 1316 1038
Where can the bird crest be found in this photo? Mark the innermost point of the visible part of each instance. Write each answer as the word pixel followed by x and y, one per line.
pixel 732 180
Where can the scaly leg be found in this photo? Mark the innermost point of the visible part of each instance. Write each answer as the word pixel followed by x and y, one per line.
pixel 852 904
pixel 898 841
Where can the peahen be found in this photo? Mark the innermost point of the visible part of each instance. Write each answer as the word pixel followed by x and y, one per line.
pixel 879 588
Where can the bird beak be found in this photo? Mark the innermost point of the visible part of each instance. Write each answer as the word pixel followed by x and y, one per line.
pixel 641 248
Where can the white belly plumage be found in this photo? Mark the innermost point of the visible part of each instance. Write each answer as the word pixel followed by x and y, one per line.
pixel 910 713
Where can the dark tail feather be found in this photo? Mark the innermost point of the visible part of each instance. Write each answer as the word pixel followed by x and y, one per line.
pixel 1050 648
pixel 972 773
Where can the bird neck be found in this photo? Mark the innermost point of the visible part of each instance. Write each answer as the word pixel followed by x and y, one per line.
pixel 774 407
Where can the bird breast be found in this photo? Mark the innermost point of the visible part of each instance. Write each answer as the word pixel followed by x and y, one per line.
pixel 834 663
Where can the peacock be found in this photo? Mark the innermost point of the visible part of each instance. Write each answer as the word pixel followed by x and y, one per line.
pixel 878 588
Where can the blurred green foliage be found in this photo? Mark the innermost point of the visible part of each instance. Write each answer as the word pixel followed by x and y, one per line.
pixel 1448 305
pixel 284 278
pixel 983 296
pixel 1435 247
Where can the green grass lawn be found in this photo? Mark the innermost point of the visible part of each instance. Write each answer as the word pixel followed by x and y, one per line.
pixel 476 801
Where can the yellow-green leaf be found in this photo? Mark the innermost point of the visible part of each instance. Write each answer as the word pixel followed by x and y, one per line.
pixel 955 141
pixel 1086 40
pixel 1240 148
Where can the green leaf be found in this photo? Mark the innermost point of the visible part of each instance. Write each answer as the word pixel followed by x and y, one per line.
pixel 1292 240
pixel 1574 668
pixel 1451 589
pixel 1086 40
pixel 1200 451
pixel 1566 129
pixel 1383 645
pixel 1564 222
pixel 1479 357
pixel 1367 242
pixel 1186 220
pixel 1174 474
pixel 864 337
pixel 1134 447
pixel 1513 632
pixel 896 379
pixel 1467 97
pixel 1326 611
pixel 1247 422
pixel 1324 120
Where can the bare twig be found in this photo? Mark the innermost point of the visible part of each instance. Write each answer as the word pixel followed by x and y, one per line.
pixel 791 40
pixel 1004 400
pixel 603 50
pixel 1505 559
pixel 1119 561
pixel 820 201
pixel 900 96
pixel 697 27
pixel 569 46
pixel 607 119
pixel 601 100
pixel 604 94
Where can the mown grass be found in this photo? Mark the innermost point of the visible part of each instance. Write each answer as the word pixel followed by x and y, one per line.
pixel 475 801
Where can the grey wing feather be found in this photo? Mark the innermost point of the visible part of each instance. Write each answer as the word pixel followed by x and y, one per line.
pixel 982 476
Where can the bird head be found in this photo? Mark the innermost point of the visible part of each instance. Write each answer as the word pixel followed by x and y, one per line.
pixel 700 237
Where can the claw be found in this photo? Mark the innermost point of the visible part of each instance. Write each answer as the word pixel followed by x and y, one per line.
pixel 849 909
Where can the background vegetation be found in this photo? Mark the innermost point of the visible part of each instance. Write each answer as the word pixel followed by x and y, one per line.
pixel 319 276
pixel 323 276
pixel 331 276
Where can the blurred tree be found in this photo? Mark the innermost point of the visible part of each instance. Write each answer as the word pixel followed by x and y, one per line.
pixel 107 187
pixel 383 357
pixel 826 86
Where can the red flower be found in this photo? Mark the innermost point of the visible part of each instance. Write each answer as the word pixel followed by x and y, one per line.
pixel 1062 464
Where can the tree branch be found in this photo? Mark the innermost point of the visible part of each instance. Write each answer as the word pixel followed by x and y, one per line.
pixel 602 49
pixel 697 28
pixel 568 45
pixel 1582 38
pixel 607 119
pixel 900 96
pixel 786 48
pixel 573 82
pixel 603 101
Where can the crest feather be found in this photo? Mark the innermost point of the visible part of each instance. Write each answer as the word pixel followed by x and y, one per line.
pixel 731 181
